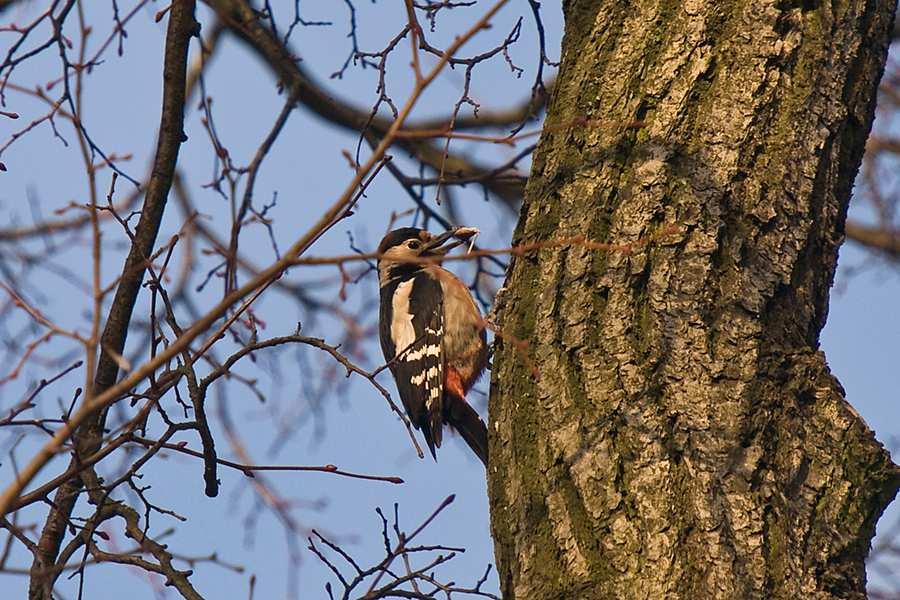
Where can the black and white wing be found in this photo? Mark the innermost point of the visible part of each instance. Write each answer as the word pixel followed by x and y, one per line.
pixel 412 322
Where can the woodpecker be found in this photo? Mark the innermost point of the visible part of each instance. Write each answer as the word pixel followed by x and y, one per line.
pixel 432 335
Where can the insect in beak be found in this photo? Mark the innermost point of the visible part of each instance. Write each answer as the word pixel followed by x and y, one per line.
pixel 438 245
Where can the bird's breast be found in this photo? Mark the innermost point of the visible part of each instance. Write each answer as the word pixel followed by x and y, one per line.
pixel 464 338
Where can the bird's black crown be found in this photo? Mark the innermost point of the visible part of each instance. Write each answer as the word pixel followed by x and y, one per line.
pixel 398 236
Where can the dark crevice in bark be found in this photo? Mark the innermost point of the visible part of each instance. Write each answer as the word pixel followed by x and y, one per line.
pixel 684 437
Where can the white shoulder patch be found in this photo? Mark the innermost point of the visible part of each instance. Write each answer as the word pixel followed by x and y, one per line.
pixel 402 332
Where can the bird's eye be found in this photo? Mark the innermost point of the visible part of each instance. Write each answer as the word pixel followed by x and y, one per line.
pixel 413 245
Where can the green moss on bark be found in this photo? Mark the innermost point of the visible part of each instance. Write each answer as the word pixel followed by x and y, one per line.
pixel 685 372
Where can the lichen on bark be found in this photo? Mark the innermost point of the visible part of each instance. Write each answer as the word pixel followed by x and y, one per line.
pixel 684 437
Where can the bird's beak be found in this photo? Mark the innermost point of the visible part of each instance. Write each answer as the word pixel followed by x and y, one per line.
pixel 437 244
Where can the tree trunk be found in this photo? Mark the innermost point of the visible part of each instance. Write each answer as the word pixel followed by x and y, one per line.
pixel 683 436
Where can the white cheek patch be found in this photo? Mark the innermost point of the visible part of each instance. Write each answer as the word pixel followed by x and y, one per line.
pixel 402 332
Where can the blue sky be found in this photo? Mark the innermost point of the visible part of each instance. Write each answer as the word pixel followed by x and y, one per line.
pixel 347 422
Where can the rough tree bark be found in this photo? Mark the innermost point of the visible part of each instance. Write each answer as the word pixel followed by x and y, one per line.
pixel 684 437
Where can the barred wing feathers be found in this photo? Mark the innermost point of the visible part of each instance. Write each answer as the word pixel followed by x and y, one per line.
pixel 413 316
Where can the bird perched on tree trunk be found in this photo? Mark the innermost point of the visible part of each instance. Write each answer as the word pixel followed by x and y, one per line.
pixel 432 334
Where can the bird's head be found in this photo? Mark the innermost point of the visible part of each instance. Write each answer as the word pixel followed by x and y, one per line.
pixel 402 249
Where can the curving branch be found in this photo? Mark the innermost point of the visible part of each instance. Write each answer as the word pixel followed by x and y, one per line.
pixel 878 239
pixel 242 20
pixel 182 26
pixel 246 294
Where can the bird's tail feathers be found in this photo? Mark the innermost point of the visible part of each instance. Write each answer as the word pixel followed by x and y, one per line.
pixel 435 418
pixel 425 426
pixel 462 417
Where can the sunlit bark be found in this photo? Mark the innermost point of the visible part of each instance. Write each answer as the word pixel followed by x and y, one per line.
pixel 684 437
